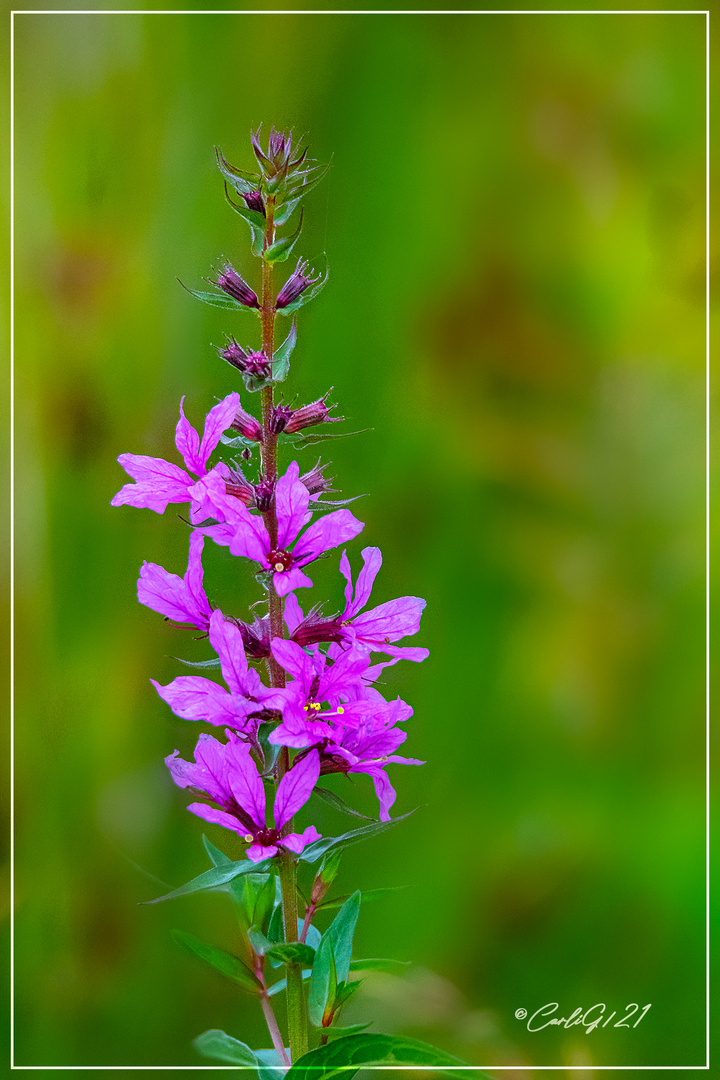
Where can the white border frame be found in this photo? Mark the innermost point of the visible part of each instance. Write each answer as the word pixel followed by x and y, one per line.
pixel 399 11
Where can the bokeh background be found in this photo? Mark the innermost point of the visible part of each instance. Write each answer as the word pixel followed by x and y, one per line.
pixel 514 223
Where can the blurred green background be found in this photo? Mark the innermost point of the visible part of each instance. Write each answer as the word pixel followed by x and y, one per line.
pixel 514 222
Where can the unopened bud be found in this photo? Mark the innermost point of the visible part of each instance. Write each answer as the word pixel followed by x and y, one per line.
pixel 315 413
pixel 247 425
pixel 237 485
pixel 295 285
pixel 253 201
pixel 280 416
pixel 264 492
pixel 315 482
pixel 231 283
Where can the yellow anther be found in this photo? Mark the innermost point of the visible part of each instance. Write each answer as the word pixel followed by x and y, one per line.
pixel 340 709
pixel 279 566
pixel 248 838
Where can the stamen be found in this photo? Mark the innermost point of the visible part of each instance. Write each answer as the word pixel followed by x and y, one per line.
pixel 248 838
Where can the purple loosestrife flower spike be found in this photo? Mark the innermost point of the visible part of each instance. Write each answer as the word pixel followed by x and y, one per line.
pixel 231 283
pixel 295 285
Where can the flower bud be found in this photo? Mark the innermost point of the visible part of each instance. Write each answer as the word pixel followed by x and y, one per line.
pixel 256 638
pixel 279 418
pixel 250 363
pixel 264 491
pixel 315 482
pixel 231 283
pixel 314 413
pixel 315 629
pixel 247 425
pixel 236 484
pixel 253 201
pixel 295 285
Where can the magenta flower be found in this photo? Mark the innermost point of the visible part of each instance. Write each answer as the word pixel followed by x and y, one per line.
pixel 228 774
pixel 245 533
pixel 159 482
pixel 377 628
pixel 193 697
pixel 180 599
pixel 368 748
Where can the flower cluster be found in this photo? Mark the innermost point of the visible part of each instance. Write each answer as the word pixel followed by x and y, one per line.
pixel 298 697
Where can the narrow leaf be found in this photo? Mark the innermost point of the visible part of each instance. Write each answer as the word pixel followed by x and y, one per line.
pixel 270 1066
pixel 356 1051
pixel 213 879
pixel 338 1032
pixel 378 965
pixel 281 358
pixel 315 851
pixel 215 854
pixel 258 941
pixel 216 1044
pixel 218 299
pixel 369 894
pixel 333 955
pixel 339 804
pixel 281 248
pixel 214 663
pixel 223 962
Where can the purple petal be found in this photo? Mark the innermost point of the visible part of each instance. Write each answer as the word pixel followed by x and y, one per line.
pixel 391 621
pixel 227 642
pixel 291 503
pixel 347 574
pixel 295 788
pixel 257 852
pixel 295 661
pixel 187 441
pixel 194 573
pixel 251 538
pixel 297 841
pixel 329 531
pixel 384 790
pixel 293 613
pixel 217 817
pixel 245 783
pixel 158 483
pixel 372 561
pixel 194 698
pixel 217 420
pixel 287 580
pixel 210 499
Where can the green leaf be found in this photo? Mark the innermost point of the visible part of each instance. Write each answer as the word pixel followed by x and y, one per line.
pixel 254 895
pixel 281 357
pixel 315 851
pixel 258 941
pixel 332 957
pixel 352 1052
pixel 292 952
pixel 305 297
pixel 238 440
pixel 251 181
pixel 378 965
pixel 333 1032
pixel 339 804
pixel 216 856
pixel 214 663
pixel 302 440
pixel 284 211
pixel 216 1044
pixel 279 250
pixel 215 878
pixel 300 192
pixel 218 299
pixel 368 894
pixel 223 962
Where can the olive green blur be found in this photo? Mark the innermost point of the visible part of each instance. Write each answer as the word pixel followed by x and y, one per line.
pixel 514 322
